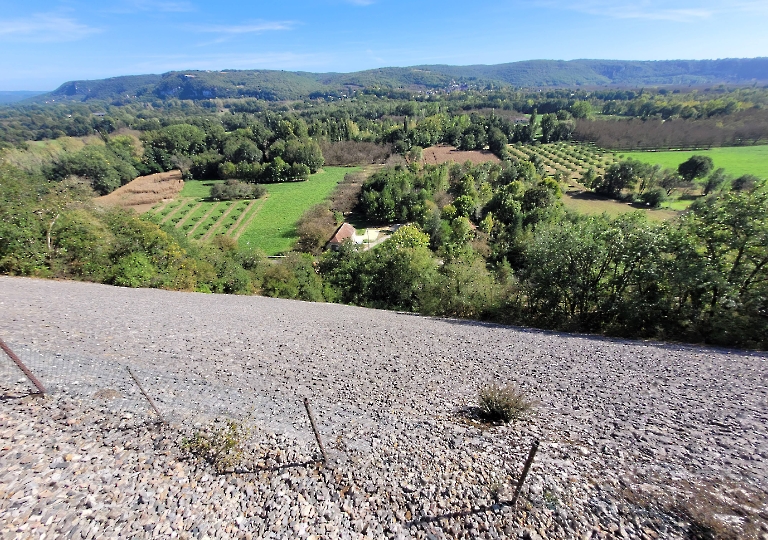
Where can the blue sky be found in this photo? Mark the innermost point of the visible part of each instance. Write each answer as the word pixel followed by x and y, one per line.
pixel 44 43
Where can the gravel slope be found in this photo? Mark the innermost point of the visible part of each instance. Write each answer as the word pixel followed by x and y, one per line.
pixel 628 430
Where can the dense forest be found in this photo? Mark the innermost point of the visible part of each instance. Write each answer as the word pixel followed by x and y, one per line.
pixel 287 85
pixel 491 241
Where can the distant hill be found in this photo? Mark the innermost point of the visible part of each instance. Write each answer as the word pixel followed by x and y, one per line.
pixel 14 96
pixel 281 85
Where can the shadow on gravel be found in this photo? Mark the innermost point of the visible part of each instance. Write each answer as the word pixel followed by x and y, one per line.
pixel 21 396
pixel 279 468
pixel 498 507
pixel 474 416
pixel 671 345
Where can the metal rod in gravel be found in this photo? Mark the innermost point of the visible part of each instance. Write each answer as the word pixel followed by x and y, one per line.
pixel 526 467
pixel 149 399
pixel 314 429
pixel 22 367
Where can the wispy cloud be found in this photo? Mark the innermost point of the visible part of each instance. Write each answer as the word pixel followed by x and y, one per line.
pixel 658 10
pixel 361 2
pixel 133 6
pixel 750 6
pixel 215 62
pixel 247 28
pixel 44 28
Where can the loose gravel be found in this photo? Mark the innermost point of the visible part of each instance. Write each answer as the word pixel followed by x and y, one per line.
pixel 638 440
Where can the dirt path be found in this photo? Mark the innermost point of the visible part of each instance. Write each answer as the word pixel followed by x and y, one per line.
pixel 174 211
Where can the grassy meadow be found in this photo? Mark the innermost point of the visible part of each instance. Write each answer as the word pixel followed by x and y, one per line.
pixel 589 203
pixel 268 223
pixel 198 189
pixel 34 155
pixel 273 228
pixel 736 160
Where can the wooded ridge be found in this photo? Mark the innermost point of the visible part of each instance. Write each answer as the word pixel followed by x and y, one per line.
pixel 285 85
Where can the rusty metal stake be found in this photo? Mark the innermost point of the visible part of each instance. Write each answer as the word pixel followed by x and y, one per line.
pixel 526 467
pixel 23 368
pixel 149 399
pixel 314 429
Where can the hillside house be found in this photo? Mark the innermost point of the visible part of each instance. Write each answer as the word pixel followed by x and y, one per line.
pixel 344 232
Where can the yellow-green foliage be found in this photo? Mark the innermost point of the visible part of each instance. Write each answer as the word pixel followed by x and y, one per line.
pixel 219 445
pixel 37 154
pixel 53 229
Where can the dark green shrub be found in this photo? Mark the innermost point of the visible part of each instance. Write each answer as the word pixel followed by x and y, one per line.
pixel 234 189
pixel 654 197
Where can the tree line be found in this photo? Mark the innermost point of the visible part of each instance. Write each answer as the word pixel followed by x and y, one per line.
pixel 370 109
pixel 489 242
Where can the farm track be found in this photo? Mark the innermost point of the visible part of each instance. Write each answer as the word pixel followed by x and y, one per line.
pixel 172 213
pixel 619 423
pixel 160 207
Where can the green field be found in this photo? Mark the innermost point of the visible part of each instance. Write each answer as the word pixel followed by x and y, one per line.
pixel 736 160
pixel 199 189
pixel 589 203
pixel 569 161
pixel 268 223
pixel 273 229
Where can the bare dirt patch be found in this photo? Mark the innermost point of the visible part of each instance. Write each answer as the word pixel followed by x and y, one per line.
pixel 144 192
pixel 443 154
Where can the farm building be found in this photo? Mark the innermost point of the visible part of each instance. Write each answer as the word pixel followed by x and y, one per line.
pixel 344 232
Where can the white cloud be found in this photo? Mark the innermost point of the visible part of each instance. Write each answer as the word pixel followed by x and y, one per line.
pixel 361 2
pixel 659 10
pixel 132 6
pixel 215 62
pixel 248 28
pixel 44 28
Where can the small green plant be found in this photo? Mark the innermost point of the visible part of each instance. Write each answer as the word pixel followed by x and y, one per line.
pixel 551 500
pixel 496 490
pixel 219 445
pixel 503 403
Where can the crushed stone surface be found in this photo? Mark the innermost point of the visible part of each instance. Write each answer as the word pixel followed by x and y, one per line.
pixel 637 440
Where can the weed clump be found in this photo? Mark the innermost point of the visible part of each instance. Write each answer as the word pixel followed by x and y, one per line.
pixel 503 403
pixel 220 445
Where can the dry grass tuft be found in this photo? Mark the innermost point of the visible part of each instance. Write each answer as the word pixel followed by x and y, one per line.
pixel 711 510
pixel 503 403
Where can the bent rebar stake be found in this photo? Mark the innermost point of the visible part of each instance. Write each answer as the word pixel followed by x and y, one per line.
pixel 314 429
pixel 23 368
pixel 526 467
pixel 149 399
